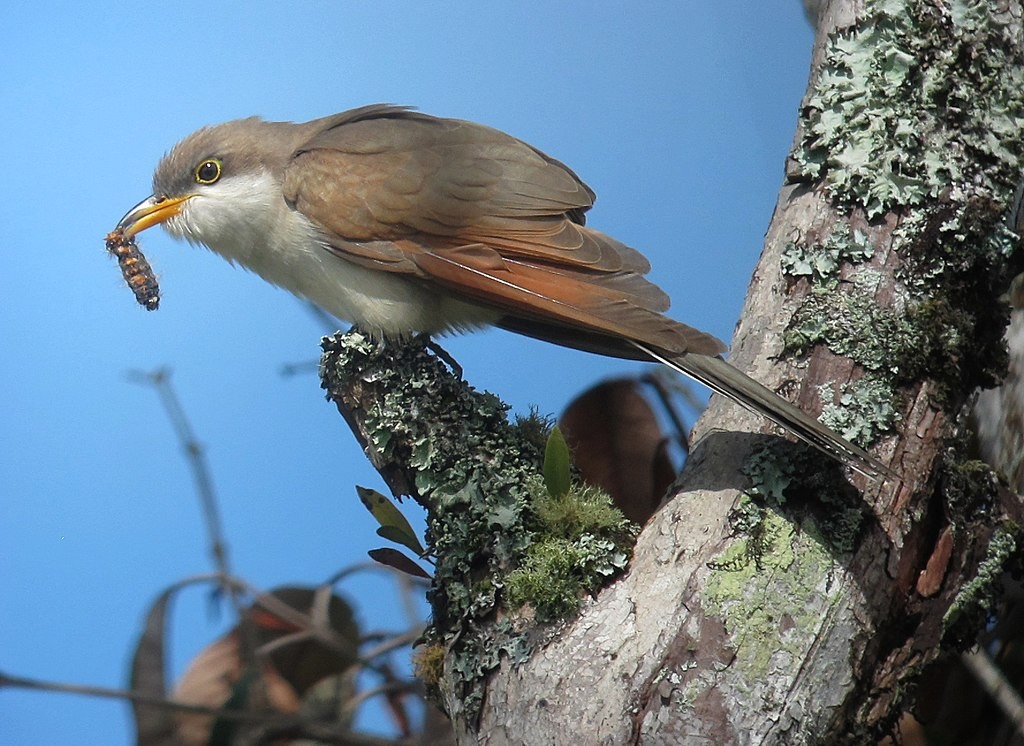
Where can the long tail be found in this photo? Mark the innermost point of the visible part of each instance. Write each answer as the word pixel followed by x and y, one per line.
pixel 724 379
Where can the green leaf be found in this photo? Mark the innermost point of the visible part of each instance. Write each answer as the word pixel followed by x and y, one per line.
pixel 557 474
pixel 393 525
pixel 407 540
pixel 394 558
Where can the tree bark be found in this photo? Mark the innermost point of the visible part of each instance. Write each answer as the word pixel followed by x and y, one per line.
pixel 767 602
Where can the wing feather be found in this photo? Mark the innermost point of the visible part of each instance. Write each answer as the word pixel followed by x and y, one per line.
pixel 606 304
pixel 489 217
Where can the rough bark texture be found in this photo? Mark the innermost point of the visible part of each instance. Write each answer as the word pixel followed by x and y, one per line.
pixel 766 602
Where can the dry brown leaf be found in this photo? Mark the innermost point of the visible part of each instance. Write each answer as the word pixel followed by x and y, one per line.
pixel 619 446
pixel 286 671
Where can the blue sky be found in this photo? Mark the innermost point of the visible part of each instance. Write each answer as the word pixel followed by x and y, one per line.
pixel 678 113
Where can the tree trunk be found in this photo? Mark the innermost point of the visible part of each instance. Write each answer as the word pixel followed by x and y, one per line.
pixel 768 602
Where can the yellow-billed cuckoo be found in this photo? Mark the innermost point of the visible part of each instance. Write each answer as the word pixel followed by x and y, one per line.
pixel 402 222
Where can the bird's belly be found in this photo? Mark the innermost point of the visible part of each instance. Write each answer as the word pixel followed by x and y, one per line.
pixel 382 303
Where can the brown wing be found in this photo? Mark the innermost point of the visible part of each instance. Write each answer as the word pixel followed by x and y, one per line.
pixel 487 216
pixel 557 304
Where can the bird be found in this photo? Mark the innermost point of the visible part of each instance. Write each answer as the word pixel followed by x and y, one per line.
pixel 404 223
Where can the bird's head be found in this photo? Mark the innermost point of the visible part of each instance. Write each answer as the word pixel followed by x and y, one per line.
pixel 219 186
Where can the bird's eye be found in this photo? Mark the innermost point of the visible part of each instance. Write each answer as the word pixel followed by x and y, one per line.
pixel 208 171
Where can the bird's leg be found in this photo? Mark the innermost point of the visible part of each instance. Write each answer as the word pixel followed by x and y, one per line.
pixel 441 352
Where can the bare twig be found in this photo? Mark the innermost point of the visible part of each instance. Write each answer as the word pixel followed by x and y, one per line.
pixel 294 369
pixel 393 642
pixel 375 567
pixel 389 688
pixel 275 721
pixel 406 587
pixel 994 682
pixel 160 380
pixel 664 387
pixel 21 682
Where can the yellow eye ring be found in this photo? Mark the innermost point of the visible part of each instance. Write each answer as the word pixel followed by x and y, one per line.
pixel 207 172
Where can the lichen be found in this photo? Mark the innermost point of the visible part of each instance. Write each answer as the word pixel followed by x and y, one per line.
pixel 853 325
pixel 792 527
pixel 747 522
pixel 893 118
pixel 975 600
pixel 796 482
pixel 489 517
pixel 768 605
pixel 823 261
pixel 894 125
pixel 865 410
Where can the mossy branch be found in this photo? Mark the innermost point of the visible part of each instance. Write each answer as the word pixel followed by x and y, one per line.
pixel 507 553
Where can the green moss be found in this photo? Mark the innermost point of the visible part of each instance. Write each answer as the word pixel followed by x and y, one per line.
pixel 581 541
pixel 554 575
pixel 969 488
pixel 581 511
pixel 547 579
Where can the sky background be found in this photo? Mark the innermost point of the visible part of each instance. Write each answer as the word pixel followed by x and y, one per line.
pixel 678 113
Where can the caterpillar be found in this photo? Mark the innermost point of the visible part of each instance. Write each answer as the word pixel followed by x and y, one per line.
pixel 135 268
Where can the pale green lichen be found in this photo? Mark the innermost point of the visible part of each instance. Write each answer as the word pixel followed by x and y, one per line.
pixel 975 600
pixel 865 409
pixel 793 483
pixel 822 261
pixel 855 326
pixel 770 585
pixel 893 118
pixel 769 605
pixel 895 123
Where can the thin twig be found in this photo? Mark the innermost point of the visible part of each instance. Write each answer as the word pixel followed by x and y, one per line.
pixel 269 720
pixel 393 642
pixel 664 386
pixel 21 682
pixel 407 584
pixel 195 454
pixel 391 687
pixel 305 368
pixel 406 587
pixel 992 680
